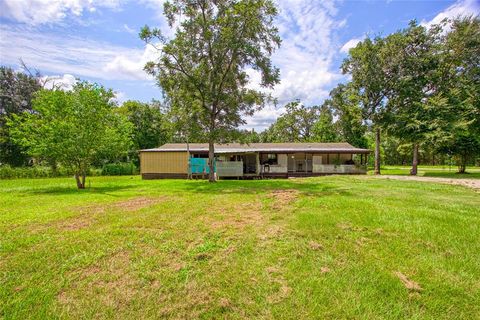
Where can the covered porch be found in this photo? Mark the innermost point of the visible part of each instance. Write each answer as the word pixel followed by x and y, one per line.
pixel 263 164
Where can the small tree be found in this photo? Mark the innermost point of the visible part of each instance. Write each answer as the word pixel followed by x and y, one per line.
pixel 74 127
pixel 465 148
pixel 206 62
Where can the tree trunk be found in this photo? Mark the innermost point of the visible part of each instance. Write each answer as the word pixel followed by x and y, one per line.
pixel 189 174
pixel 80 182
pixel 211 161
pixel 462 167
pixel 377 151
pixel 414 170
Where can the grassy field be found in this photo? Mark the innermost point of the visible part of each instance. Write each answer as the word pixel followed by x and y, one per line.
pixel 327 248
pixel 432 171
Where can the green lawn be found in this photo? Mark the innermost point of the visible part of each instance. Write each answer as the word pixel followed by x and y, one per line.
pixel 328 248
pixel 432 171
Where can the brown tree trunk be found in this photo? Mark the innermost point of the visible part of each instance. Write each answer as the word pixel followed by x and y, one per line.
pixel 377 151
pixel 462 167
pixel 189 174
pixel 211 161
pixel 414 169
pixel 80 179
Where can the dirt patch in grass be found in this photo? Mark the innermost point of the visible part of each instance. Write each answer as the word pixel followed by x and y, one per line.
pixel 270 233
pixel 88 215
pixel 109 282
pixel 282 198
pixel 408 283
pixel 188 303
pixel 470 183
pixel 315 245
pixel 135 204
pixel 283 291
pixel 237 217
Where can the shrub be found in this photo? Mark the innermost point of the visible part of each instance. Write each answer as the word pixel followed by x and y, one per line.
pixel 8 172
pixel 119 169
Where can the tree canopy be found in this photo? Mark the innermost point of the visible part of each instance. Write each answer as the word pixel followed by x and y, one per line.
pixel 74 128
pixel 206 63
pixel 16 93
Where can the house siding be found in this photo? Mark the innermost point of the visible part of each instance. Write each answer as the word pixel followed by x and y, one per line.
pixel 163 162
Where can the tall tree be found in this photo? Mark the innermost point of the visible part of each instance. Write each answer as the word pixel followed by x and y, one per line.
pixel 412 63
pixel 16 93
pixel 459 97
pixel 296 124
pixel 325 129
pixel 74 128
pixel 365 65
pixel 207 60
pixel 346 106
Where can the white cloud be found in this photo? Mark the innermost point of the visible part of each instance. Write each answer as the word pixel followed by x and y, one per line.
pixel 129 30
pixel 65 82
pixel 306 57
pixel 263 118
pixel 459 8
pixel 120 97
pixel 80 57
pixel 36 12
pixel 352 43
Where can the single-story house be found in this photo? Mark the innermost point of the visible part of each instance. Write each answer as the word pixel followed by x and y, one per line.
pixel 254 160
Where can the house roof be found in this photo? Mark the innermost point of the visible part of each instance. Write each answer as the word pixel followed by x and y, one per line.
pixel 342 147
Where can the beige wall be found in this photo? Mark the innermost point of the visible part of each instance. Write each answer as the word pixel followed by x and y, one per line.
pixel 163 162
pixel 282 160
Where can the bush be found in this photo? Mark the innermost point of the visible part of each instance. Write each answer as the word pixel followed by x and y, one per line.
pixel 8 172
pixel 119 169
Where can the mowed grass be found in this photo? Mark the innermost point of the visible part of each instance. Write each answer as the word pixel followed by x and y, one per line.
pixel 338 247
pixel 432 171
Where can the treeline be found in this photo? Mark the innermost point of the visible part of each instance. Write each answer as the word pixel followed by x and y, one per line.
pixel 414 96
pixel 52 132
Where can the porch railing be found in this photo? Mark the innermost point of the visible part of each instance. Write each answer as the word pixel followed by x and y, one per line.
pixel 229 168
pixel 341 168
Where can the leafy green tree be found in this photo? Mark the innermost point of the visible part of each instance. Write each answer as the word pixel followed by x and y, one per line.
pixel 206 62
pixel 150 127
pixel 249 136
pixel 464 148
pixel 458 100
pixel 346 106
pixel 365 65
pixel 16 93
pixel 413 65
pixel 325 129
pixel 76 128
pixel 300 123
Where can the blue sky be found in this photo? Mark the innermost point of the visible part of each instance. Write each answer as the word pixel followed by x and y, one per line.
pixel 98 41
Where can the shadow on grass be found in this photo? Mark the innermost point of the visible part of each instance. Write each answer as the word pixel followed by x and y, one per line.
pixel 306 187
pixel 73 190
pixel 452 174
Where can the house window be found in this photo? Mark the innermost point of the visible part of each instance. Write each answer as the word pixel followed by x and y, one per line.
pixel 270 158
